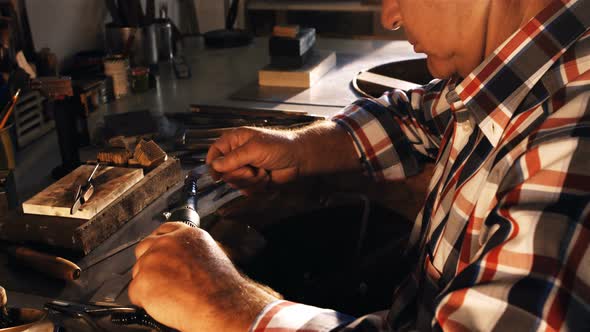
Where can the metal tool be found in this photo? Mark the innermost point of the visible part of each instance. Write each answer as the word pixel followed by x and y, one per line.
pixel 120 315
pixel 201 187
pixel 73 310
pixel 84 192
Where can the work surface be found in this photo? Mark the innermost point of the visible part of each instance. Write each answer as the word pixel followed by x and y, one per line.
pixel 217 76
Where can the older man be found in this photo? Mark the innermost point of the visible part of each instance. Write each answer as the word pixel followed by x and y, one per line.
pixel 503 238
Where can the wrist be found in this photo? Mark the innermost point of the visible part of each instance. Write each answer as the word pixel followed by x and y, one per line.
pixel 324 148
pixel 255 299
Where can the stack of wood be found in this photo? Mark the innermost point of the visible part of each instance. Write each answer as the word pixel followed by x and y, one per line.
pixel 118 152
pixel 121 152
pixel 294 62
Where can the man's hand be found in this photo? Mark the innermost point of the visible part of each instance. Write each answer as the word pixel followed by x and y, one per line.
pixel 255 157
pixel 184 280
pixel 252 158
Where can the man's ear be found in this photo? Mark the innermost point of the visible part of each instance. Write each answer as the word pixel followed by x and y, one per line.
pixel 390 14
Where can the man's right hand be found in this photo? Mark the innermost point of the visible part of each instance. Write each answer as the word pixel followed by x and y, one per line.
pixel 252 158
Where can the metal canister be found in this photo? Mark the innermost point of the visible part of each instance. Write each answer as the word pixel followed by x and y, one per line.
pixel 164 39
pixel 138 43
pixel 117 67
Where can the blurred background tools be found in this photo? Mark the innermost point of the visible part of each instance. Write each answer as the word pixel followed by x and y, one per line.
pixel 23 319
pixel 139 35
pixel 228 37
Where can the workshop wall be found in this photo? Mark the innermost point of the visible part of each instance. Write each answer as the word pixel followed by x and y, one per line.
pixel 68 26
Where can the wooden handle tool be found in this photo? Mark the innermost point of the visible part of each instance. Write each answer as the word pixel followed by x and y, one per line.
pixel 53 266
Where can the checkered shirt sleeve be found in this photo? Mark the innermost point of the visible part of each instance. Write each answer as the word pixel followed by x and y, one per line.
pixel 394 134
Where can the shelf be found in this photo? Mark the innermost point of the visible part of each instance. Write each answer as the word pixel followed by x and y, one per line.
pixel 294 5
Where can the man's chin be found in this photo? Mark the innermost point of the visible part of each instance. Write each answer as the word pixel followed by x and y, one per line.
pixel 439 68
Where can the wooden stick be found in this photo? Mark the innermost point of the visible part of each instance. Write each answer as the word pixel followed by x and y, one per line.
pixel 54 266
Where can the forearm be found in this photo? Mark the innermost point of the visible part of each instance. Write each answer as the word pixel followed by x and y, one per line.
pixel 324 148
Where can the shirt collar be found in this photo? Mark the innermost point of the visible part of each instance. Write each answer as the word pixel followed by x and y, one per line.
pixel 495 89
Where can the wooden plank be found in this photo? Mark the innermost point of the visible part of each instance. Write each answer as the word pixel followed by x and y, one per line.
pixel 110 183
pixel 154 184
pixel 319 64
pixel 82 236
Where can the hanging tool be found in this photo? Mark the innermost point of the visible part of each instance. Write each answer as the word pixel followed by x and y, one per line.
pixel 84 192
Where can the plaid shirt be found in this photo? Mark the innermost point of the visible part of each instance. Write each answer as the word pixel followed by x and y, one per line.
pixel 503 237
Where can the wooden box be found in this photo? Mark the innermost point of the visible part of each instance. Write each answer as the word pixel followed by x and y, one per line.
pixel 81 236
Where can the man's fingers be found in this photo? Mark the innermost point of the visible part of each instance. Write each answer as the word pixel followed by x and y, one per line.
pixel 228 142
pixel 144 245
pixel 168 227
pixel 247 179
pixel 213 153
pixel 134 292
pixel 240 174
pixel 235 159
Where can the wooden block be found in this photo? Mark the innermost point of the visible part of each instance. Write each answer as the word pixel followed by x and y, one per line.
pixel 303 42
pixel 82 236
pixel 117 156
pixel 149 154
pixel 288 31
pixel 110 183
pixel 318 65
pixel 122 142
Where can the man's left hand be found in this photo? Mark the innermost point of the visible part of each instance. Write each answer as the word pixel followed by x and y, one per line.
pixel 184 280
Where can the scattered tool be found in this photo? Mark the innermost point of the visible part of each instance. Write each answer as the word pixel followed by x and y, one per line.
pixel 120 315
pixel 84 192
pixel 54 266
pixel 5 320
pixel 75 311
pixel 7 111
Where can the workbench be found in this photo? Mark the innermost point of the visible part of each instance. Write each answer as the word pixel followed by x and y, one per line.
pixel 216 76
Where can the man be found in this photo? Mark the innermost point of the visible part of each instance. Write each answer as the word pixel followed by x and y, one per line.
pixel 503 237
